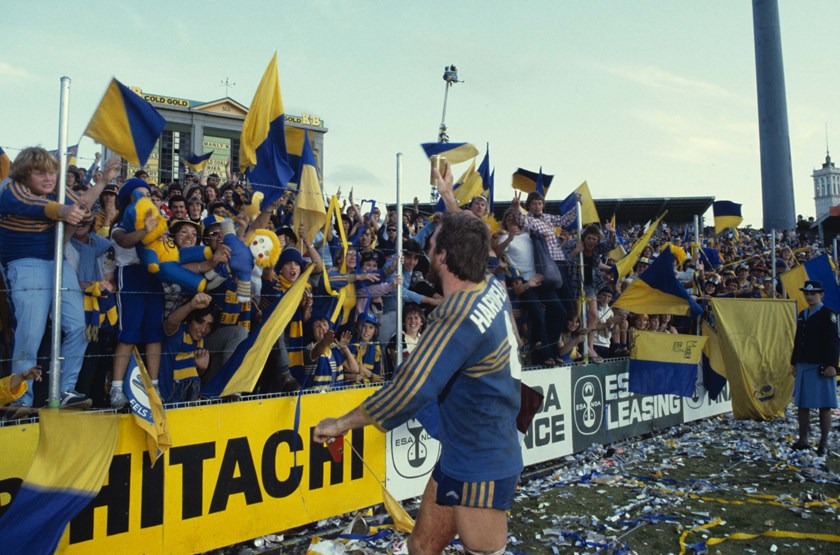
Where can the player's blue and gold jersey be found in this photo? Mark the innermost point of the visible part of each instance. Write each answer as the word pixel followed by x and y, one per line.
pixel 467 360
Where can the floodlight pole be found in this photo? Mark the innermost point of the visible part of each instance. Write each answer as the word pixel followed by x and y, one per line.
pixel 450 76
pixel 55 352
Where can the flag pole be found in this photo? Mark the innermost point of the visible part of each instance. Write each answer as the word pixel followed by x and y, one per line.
pixel 582 292
pixel 398 253
pixel 773 258
pixel 55 352
pixel 698 247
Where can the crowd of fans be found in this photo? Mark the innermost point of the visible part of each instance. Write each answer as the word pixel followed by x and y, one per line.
pixel 562 288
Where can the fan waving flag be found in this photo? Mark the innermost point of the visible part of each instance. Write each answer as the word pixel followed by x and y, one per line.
pixel 455 153
pixel 727 215
pixel 197 162
pixel 262 147
pixel 664 363
pixel 71 463
pixel 309 205
pixel 126 124
pixel 657 291
pixel 528 181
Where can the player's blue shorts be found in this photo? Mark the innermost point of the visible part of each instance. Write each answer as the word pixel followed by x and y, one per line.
pixel 493 494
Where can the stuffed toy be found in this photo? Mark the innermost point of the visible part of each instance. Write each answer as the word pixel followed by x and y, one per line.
pixel 158 252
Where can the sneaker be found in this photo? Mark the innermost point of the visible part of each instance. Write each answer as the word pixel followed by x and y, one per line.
pixel 75 399
pixel 118 398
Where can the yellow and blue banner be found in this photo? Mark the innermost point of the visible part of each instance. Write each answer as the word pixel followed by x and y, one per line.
pixel 624 267
pixel 657 291
pixel 146 406
pixel 242 370
pixel 72 154
pixel 755 339
pixel 528 181
pixel 664 363
pixel 309 205
pixel 816 269
pixel 727 215
pixel 467 187
pixel 486 177
pixel 455 153
pixel 5 164
pixel 196 162
pixel 71 462
pixel 262 147
pixel 126 123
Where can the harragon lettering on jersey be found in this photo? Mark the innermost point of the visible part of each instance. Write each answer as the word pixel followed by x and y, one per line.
pixel 488 307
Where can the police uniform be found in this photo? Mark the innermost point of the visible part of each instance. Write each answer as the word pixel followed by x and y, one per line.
pixel 467 368
pixel 816 345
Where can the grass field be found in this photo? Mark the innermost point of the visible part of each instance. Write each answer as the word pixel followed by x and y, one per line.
pixel 643 496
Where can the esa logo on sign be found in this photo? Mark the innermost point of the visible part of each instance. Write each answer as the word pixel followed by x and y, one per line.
pixel 588 405
pixel 413 451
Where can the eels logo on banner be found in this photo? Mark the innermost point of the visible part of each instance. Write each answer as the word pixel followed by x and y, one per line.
pixel 727 215
pixel 528 181
pixel 455 153
pixel 657 291
pixel 242 370
pixel 71 462
pixel 663 363
pixel 819 269
pixel 262 147
pixel 146 406
pixel 125 123
pixel 197 162
pixel 755 337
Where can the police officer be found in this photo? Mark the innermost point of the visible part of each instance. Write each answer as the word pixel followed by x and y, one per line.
pixel 814 365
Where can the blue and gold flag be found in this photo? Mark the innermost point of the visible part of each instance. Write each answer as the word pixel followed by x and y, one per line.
pixel 455 153
pixel 146 406
pixel 195 161
pixel 528 181
pixel 624 267
pixel 262 148
pixel 71 463
pixel 309 204
pixel 664 363
pixel 727 215
pixel 242 370
pixel 126 124
pixel 657 291
pixel 818 269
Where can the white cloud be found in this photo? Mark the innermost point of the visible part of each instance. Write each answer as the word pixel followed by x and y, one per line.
pixel 8 70
pixel 658 78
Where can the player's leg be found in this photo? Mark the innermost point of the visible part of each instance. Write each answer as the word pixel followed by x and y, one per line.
pixel 435 526
pixel 482 531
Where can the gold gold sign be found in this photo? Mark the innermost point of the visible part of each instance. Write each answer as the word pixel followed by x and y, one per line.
pixel 305 119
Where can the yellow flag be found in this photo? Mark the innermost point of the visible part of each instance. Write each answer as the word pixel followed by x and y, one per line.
pixel 402 520
pixel 588 213
pixel 625 265
pixel 793 280
pixel 756 338
pixel 309 204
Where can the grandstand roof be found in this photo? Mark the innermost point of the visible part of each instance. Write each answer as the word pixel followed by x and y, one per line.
pixel 634 210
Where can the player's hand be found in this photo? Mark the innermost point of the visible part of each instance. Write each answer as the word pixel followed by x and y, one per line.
pixel 327 429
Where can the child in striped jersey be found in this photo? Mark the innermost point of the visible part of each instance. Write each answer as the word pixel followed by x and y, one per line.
pixel 184 357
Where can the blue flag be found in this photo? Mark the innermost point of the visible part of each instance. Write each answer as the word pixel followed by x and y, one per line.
pixel 70 466
pixel 657 291
pixel 262 148
pixel 125 123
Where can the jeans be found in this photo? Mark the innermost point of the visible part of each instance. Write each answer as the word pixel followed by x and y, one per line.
pixel 30 281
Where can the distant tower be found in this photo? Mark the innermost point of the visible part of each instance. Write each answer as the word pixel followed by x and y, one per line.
pixel 826 186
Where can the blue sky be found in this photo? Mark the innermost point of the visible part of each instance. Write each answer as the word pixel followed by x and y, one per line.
pixel 639 98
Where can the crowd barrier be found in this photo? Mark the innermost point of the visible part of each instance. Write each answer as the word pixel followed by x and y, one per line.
pixel 243 470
